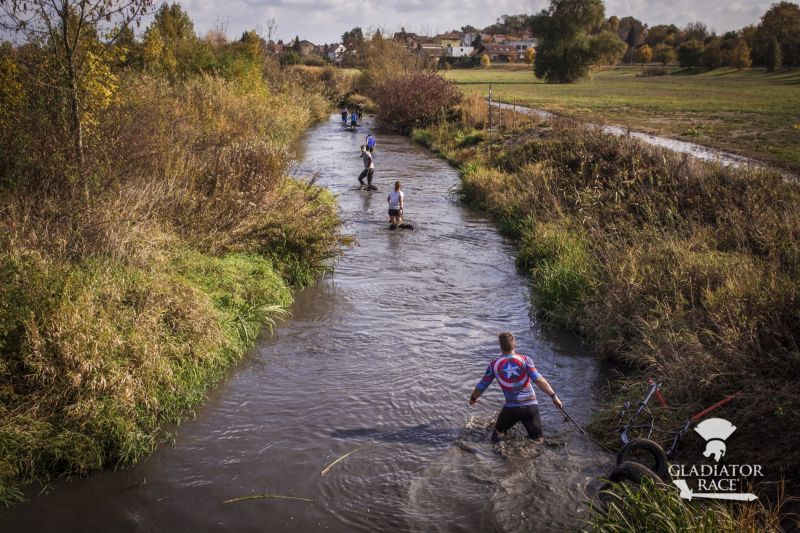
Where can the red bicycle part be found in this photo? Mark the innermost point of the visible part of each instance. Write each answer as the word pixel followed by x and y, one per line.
pixel 659 396
pixel 717 405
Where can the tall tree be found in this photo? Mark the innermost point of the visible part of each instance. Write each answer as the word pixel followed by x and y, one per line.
pixel 607 47
pixel 774 59
pixel 740 56
pixel 644 54
pixel 664 54
pixel 661 33
pixel 172 35
pixel 782 22
pixel 632 31
pixel 565 51
pixel 690 53
pixel 697 31
pixel 713 55
pixel 79 36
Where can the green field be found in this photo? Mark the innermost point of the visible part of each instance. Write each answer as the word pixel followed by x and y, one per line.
pixel 748 112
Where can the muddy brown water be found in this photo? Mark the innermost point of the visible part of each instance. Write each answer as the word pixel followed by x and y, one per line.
pixel 379 357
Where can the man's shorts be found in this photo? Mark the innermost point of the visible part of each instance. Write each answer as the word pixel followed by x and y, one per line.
pixel 394 212
pixel 527 414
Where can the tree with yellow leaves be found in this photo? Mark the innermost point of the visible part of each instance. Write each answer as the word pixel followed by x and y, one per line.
pixel 79 37
pixel 644 54
pixel 486 61
pixel 530 56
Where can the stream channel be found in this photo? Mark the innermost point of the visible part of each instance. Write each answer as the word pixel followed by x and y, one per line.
pixel 380 357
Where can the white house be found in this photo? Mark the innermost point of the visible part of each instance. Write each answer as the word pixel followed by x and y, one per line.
pixel 335 52
pixel 522 46
pixel 459 51
pixel 468 38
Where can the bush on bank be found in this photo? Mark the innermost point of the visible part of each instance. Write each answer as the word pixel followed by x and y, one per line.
pixel 415 99
pixel 117 315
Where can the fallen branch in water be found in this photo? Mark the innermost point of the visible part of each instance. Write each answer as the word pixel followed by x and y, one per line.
pixel 267 496
pixel 342 458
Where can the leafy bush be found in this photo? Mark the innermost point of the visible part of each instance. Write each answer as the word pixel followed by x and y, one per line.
pixel 415 100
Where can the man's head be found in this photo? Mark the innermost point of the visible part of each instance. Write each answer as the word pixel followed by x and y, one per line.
pixel 507 342
pixel 363 147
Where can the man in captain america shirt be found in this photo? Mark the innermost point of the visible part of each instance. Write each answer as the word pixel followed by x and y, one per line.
pixel 515 373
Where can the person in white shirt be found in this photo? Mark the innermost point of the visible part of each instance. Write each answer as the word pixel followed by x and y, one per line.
pixel 369 169
pixel 395 200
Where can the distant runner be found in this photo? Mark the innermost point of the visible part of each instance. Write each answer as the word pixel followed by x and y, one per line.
pixel 370 143
pixel 514 373
pixel 369 168
pixel 395 200
pixel 353 120
pixel 345 113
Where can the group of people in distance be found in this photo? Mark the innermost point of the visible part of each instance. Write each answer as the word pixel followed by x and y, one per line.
pixel 355 115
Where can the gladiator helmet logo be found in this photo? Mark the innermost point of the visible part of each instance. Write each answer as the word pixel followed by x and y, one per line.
pixel 715 431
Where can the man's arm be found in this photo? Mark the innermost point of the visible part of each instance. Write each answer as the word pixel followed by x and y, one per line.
pixel 545 386
pixel 487 378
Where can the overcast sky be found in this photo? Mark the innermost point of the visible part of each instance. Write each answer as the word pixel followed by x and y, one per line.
pixel 324 21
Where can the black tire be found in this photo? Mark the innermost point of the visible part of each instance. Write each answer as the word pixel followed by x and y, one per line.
pixel 654 450
pixel 630 471
pixel 627 471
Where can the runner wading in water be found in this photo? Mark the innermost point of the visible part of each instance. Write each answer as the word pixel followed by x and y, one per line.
pixel 395 200
pixel 345 113
pixel 353 120
pixel 370 143
pixel 515 374
pixel 369 168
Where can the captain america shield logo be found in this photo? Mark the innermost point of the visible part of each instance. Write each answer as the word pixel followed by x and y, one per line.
pixel 510 371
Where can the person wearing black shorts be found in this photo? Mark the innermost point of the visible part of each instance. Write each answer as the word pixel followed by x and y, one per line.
pixel 516 374
pixel 395 200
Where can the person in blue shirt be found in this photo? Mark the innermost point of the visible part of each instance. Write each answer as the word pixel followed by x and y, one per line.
pixel 354 120
pixel 370 143
pixel 516 374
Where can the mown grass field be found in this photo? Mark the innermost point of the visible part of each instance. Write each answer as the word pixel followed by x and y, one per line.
pixel 751 112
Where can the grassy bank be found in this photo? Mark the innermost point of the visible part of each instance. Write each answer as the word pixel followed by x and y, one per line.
pixel 676 269
pixel 748 112
pixel 118 314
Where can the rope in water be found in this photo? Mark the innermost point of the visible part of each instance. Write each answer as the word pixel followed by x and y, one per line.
pixel 573 425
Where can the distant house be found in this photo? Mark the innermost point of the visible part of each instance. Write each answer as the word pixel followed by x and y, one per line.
pixel 305 48
pixel 501 52
pixel 335 52
pixel 449 39
pixel 276 48
pixel 522 46
pixel 467 38
pixel 431 50
pixel 412 41
pixel 459 51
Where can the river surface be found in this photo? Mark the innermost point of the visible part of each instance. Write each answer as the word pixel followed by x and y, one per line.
pixel 378 357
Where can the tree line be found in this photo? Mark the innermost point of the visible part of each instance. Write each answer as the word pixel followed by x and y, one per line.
pixel 575 35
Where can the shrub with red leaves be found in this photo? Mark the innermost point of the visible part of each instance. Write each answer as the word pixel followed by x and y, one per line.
pixel 414 100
